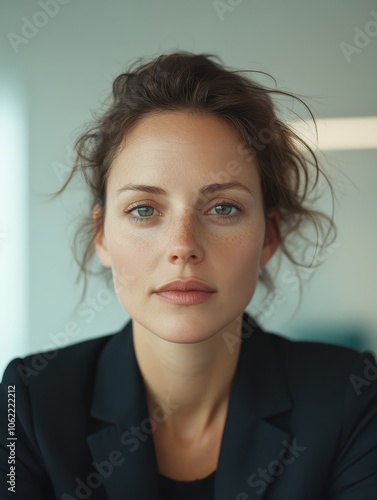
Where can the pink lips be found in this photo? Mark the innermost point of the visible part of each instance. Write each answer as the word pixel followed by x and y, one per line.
pixel 186 286
pixel 185 292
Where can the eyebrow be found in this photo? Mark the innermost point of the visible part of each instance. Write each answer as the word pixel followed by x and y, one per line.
pixel 208 189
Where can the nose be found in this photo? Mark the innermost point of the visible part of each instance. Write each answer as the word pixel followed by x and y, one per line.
pixel 186 240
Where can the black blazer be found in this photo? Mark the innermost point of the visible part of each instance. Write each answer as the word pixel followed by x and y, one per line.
pixel 301 423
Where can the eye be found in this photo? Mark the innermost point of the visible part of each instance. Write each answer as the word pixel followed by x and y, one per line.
pixel 142 209
pixel 228 206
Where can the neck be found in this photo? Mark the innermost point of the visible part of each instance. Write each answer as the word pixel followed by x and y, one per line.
pixel 189 383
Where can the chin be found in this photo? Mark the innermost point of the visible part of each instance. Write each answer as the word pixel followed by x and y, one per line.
pixel 187 324
pixel 188 338
pixel 179 328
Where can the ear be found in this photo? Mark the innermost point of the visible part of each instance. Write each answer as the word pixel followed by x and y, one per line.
pixel 99 239
pixel 272 236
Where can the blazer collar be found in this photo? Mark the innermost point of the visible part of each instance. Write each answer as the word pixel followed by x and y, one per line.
pixel 123 430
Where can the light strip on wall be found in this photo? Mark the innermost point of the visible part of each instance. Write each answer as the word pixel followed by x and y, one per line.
pixel 340 133
pixel 14 327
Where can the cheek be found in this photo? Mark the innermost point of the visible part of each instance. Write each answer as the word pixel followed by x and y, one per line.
pixel 246 276
pixel 240 256
pixel 241 263
pixel 129 257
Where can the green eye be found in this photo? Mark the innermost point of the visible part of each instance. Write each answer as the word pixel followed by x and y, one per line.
pixel 227 206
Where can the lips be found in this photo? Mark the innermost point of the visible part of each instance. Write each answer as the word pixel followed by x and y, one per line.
pixel 186 286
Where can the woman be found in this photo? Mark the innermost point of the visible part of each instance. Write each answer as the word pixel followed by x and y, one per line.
pixel 196 183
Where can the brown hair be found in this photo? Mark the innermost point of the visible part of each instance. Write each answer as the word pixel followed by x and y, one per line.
pixel 288 166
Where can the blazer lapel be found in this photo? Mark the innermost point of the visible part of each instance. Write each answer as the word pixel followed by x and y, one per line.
pixel 122 440
pixel 251 443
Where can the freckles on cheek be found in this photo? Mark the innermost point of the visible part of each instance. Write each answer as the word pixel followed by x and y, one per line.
pixel 240 254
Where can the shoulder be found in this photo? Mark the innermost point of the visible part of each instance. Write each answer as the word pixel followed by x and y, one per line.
pixel 48 384
pixel 326 367
pixel 334 394
pixel 306 355
pixel 70 365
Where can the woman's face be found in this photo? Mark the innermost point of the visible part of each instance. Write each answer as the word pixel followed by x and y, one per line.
pixel 219 237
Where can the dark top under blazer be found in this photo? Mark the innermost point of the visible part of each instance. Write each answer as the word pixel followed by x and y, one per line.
pixel 301 423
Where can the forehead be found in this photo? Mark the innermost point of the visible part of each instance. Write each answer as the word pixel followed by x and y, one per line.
pixel 168 144
pixel 174 129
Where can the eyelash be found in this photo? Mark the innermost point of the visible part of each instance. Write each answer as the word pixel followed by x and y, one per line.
pixel 220 203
